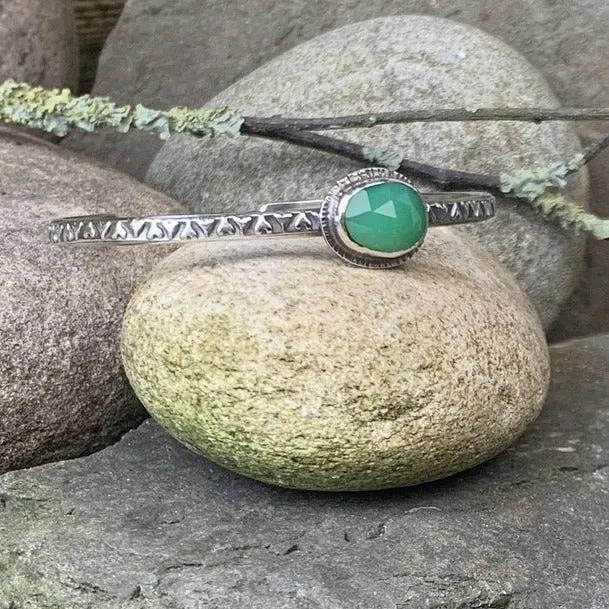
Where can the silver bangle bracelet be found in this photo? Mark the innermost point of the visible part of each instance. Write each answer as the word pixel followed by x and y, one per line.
pixel 373 218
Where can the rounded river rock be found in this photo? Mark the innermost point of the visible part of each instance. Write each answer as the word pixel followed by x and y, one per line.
pixel 62 389
pixel 143 59
pixel 280 361
pixel 391 64
pixel 38 42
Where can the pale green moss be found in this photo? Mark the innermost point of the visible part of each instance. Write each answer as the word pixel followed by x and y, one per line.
pixel 58 111
pixel 386 157
pixel 541 189
pixel 530 184
pixel 558 208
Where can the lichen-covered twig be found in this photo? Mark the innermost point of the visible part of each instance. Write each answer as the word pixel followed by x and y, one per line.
pixel 530 184
pixel 58 111
pixel 540 188
pixel 557 208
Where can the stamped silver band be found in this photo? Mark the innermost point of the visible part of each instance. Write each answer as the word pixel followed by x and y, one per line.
pixel 284 218
pixel 290 218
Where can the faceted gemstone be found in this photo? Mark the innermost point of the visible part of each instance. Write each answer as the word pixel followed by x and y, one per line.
pixel 387 217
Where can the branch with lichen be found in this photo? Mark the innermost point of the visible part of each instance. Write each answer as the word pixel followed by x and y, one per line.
pixel 557 208
pixel 541 188
pixel 57 111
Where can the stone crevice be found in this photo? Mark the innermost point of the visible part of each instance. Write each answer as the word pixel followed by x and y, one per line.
pixel 84 586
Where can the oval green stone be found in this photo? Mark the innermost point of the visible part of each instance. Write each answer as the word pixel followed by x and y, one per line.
pixel 387 217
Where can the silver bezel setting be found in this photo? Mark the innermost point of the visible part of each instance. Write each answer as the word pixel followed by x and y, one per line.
pixel 332 219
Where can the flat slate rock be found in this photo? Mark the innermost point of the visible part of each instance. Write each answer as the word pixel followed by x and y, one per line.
pixel 146 524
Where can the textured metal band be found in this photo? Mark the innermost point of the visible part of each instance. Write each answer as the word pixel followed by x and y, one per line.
pixel 291 218
pixel 182 227
pixel 447 208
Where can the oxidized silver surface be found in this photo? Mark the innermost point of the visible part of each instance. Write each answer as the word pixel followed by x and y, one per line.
pixel 183 227
pixel 310 217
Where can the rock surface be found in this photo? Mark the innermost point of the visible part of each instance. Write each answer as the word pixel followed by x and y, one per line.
pixel 62 390
pixel 282 362
pixel 348 72
pixel 145 57
pixel 586 311
pixel 148 525
pixel 38 42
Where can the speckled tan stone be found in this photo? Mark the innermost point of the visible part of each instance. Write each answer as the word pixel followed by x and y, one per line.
pixel 278 360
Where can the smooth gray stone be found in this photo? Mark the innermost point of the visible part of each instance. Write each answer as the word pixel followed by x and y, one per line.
pixel 388 64
pixel 146 524
pixel 38 42
pixel 167 53
pixel 586 312
pixel 62 388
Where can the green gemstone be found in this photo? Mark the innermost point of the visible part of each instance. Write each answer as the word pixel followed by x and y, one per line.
pixel 387 217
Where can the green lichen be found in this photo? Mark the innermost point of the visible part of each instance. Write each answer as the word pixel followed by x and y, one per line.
pixel 58 111
pixel 556 207
pixel 541 188
pixel 386 157
pixel 530 184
